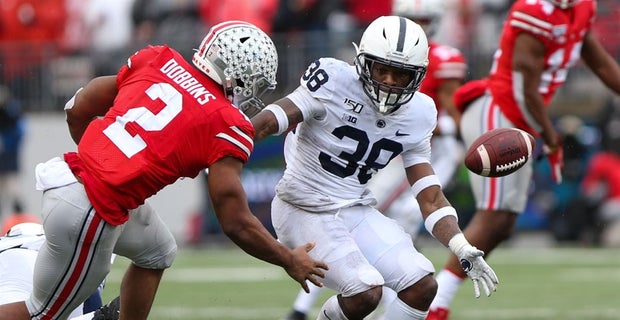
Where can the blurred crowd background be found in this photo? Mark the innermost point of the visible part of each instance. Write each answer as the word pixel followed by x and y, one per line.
pixel 50 48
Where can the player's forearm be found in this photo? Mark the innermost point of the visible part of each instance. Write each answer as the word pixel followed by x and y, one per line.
pixel 254 239
pixel 264 124
pixel 444 229
pixel 537 110
pixel 601 63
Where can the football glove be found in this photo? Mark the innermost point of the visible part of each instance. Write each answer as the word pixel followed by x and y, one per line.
pixel 474 265
pixel 555 157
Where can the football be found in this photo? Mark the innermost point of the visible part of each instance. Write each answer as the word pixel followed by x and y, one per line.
pixel 499 152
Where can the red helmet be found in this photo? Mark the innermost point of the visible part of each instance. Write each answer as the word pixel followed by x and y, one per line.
pixel 564 4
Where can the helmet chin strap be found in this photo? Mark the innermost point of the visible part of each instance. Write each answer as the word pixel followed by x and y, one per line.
pixel 229 86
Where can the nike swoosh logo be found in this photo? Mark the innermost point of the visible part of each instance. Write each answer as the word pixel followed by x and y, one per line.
pixel 400 134
pixel 325 314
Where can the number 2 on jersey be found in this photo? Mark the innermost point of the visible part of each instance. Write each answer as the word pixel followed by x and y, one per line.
pixel 130 145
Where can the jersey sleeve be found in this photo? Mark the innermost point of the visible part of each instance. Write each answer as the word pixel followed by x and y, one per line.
pixel 325 78
pixel 532 18
pixel 425 122
pixel 421 153
pixel 309 106
pixel 233 136
pixel 320 78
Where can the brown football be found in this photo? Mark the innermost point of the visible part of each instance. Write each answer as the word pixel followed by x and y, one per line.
pixel 499 152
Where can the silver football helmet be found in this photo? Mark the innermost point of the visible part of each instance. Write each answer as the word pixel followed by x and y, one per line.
pixel 243 59
pixel 396 42
pixel 564 4
pixel 429 11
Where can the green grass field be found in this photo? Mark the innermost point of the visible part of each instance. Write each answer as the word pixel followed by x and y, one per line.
pixel 535 283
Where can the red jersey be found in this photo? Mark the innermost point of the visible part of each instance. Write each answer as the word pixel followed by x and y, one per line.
pixel 604 168
pixel 444 63
pixel 562 32
pixel 169 120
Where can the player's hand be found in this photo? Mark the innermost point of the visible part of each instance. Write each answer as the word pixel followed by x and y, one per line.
pixel 305 268
pixel 478 270
pixel 555 156
pixel 474 265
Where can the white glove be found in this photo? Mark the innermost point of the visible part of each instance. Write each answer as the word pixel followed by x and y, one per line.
pixel 474 265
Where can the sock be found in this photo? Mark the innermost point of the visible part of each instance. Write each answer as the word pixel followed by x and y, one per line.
pixel 305 301
pixel 448 285
pixel 331 310
pixel 398 310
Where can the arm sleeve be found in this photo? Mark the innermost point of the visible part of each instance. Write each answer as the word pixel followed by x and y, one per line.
pixel 310 107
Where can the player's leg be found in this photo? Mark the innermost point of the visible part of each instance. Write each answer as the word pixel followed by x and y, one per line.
pixel 17 267
pixel 93 302
pixel 390 250
pixel 151 247
pixel 75 257
pixel 110 311
pixel 499 200
pixel 350 274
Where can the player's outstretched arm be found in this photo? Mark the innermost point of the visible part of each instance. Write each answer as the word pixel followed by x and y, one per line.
pixel 441 220
pixel 276 118
pixel 601 62
pixel 242 227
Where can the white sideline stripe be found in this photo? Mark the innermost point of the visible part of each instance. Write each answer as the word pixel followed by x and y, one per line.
pixel 232 312
pixel 192 275
pixel 588 275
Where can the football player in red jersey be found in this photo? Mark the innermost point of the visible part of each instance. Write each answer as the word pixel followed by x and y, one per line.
pixel 159 119
pixel 540 41
pixel 445 73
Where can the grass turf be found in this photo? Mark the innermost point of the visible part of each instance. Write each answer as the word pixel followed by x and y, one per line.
pixel 535 283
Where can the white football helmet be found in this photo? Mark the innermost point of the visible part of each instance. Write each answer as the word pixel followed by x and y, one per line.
pixel 429 11
pixel 27 235
pixel 564 4
pixel 25 229
pixel 397 42
pixel 243 59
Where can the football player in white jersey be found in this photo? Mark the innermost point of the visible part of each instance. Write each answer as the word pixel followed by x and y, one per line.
pixel 349 122
pixel 445 73
pixel 18 253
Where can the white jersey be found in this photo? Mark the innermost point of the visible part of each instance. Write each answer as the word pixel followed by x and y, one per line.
pixel 332 155
pixel 17 258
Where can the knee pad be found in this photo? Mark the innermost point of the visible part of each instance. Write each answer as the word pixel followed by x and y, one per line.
pixel 370 276
pixel 162 260
pixel 365 278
